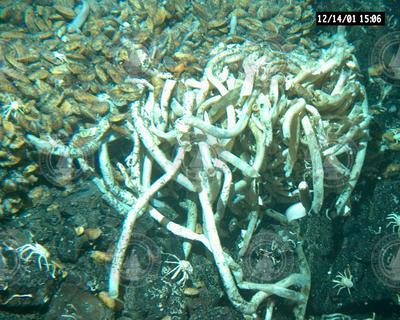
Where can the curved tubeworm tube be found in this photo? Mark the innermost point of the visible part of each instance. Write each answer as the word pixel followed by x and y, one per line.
pixel 79 20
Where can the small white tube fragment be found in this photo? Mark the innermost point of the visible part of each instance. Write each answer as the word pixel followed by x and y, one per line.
pixel 233 25
pixel 295 211
pixel 79 20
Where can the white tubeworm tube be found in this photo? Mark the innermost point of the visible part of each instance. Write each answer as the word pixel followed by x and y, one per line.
pixel 147 169
pixel 251 65
pixel 317 122
pixel 188 102
pixel 211 232
pixel 259 136
pixel 153 149
pixel 242 165
pixel 291 132
pixel 128 180
pixel 270 309
pixel 54 147
pixel 305 195
pixel 317 166
pixel 353 178
pixel 191 220
pixel 132 160
pixel 193 83
pixel 176 108
pixel 280 288
pixel 108 177
pixel 295 211
pixel 274 90
pixel 79 20
pixel 220 132
pixel 225 190
pixel 120 206
pixel 358 163
pixel 251 227
pixel 233 25
pixel 142 82
pixel 136 211
pixel 179 230
pixel 208 72
pixel 340 83
pixel 168 87
pixel 206 158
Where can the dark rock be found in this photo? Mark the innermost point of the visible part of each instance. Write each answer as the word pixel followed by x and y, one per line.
pixel 75 302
